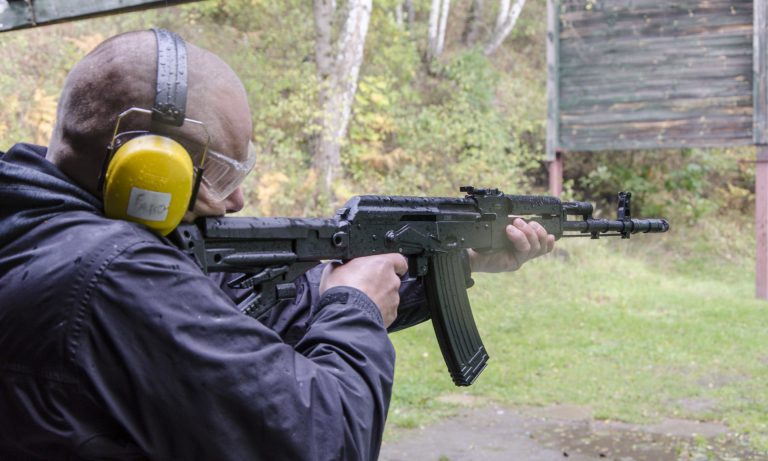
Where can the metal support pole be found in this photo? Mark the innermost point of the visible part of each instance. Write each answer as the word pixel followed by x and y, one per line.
pixel 556 175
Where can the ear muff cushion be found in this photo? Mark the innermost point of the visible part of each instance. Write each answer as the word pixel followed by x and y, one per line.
pixel 149 180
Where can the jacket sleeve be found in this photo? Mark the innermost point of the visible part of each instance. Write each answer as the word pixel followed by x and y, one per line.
pixel 190 377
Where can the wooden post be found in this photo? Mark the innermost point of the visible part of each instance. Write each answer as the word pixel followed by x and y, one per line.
pixel 553 91
pixel 556 175
pixel 554 154
pixel 760 73
pixel 761 222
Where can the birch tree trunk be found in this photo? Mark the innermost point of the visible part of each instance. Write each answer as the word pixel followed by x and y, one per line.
pixel 442 27
pixel 505 22
pixel 438 21
pixel 400 15
pixel 338 67
pixel 410 12
pixel 434 15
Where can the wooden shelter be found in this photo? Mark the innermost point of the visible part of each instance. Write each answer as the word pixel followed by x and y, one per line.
pixel 646 74
pixel 19 14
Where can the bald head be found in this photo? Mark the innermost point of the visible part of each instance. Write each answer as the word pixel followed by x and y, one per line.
pixel 121 73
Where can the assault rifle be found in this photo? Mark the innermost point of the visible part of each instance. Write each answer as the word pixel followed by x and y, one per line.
pixel 432 232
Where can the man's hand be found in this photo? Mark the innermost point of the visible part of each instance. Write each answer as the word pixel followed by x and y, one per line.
pixel 376 276
pixel 528 240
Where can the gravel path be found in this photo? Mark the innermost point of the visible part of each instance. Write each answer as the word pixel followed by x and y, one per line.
pixel 558 433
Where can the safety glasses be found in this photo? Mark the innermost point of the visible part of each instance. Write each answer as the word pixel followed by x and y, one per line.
pixel 222 174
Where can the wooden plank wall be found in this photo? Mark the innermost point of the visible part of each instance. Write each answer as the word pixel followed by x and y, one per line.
pixel 654 73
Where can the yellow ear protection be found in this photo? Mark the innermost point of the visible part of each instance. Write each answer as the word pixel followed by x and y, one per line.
pixel 149 178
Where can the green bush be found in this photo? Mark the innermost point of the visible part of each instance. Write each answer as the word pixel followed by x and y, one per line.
pixel 687 184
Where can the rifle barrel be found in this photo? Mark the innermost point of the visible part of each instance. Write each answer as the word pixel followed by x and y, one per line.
pixel 631 226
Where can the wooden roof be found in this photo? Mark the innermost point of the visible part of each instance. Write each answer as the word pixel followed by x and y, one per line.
pixel 18 14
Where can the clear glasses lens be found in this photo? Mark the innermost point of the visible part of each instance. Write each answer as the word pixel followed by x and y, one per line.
pixel 222 175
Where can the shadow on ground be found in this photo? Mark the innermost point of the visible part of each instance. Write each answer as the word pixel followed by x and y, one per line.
pixel 564 432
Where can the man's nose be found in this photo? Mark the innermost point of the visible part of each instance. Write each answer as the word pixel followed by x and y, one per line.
pixel 235 201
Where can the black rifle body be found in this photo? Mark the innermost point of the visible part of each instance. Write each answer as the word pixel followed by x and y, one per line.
pixel 432 232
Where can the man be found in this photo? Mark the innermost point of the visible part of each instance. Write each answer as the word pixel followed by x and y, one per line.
pixel 114 345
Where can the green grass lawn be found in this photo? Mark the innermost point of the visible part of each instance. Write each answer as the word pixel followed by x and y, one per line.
pixel 622 327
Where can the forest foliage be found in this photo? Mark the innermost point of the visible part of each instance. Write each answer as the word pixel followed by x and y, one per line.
pixel 418 127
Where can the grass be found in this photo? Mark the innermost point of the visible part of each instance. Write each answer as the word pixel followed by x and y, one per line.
pixel 625 328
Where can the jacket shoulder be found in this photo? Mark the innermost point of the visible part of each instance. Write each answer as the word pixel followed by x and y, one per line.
pixel 50 273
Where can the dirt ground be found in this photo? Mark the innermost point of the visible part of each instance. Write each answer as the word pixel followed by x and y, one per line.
pixel 558 433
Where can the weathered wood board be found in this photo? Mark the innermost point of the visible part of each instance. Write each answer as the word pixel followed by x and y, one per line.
pixel 18 14
pixel 631 74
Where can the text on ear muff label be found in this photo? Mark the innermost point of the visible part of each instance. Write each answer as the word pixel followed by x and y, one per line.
pixel 148 205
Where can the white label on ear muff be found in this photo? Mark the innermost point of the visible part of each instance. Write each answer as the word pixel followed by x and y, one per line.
pixel 148 205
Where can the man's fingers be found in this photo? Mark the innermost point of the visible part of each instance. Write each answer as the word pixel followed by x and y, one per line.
pixel 527 240
pixel 532 232
pixel 529 237
pixel 542 237
pixel 521 235
pixel 400 264
pixel 517 237
pixel 546 240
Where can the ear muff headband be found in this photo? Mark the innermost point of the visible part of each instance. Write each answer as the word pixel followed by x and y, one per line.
pixel 150 179
pixel 171 91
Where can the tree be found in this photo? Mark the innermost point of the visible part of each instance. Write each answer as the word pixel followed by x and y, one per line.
pixel 472 25
pixel 505 22
pixel 408 12
pixel 438 21
pixel 338 67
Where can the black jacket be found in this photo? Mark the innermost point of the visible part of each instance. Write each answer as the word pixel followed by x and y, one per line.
pixel 114 345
